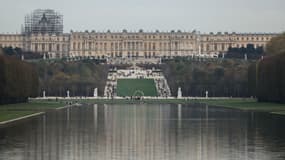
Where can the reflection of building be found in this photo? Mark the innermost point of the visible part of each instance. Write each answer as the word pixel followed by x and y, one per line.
pixel 43 33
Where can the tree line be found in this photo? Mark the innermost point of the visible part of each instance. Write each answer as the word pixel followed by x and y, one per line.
pixel 18 53
pixel 221 78
pixel 240 52
pixel 267 76
pixel 18 80
pixel 79 77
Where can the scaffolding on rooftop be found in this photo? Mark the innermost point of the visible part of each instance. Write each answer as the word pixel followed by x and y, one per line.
pixel 43 21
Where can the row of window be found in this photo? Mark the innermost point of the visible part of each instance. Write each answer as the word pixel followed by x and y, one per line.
pixel 11 38
pixel 132 37
pixel 49 47
pixel 224 47
pixel 50 38
pixel 133 45
pixel 120 54
pixel 237 38
pixel 19 45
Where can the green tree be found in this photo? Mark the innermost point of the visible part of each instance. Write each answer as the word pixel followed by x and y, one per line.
pixel 276 45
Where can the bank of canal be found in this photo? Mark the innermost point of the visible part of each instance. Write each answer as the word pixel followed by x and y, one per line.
pixel 12 112
pixel 245 104
pixel 15 112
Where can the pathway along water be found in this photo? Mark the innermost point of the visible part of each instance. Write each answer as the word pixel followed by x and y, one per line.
pixel 146 132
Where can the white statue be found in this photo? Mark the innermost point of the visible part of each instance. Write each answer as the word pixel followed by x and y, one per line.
pixel 207 94
pixel 179 93
pixel 44 94
pixel 245 57
pixel 95 94
pixel 67 94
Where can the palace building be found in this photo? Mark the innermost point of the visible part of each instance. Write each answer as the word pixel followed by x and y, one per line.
pixel 43 33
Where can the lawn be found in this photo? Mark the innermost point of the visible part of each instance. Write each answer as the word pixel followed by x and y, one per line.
pixel 247 104
pixel 13 111
pixel 128 87
pixel 241 104
pixel 9 115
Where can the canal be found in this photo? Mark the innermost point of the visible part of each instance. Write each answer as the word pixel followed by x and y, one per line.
pixel 145 132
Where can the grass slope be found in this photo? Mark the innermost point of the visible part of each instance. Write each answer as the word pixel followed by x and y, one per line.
pixel 248 104
pixel 13 111
pixel 127 87
pixel 241 104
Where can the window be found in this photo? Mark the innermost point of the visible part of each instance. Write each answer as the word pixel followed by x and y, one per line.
pixel 57 47
pixel 63 48
pixel 50 47
pixel 43 47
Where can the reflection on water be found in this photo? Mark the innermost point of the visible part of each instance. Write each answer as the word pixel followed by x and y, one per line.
pixel 145 132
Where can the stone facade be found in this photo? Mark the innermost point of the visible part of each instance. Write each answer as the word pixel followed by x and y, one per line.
pixel 132 44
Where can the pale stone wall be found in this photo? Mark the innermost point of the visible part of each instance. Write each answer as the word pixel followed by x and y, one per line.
pixel 126 44
pixel 219 43
pixel 12 40
pixel 50 44
pixel 132 44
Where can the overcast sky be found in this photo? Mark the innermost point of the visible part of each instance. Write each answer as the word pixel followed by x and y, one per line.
pixel 164 15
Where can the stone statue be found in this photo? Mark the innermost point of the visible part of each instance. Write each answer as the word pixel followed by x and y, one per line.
pixel 67 94
pixel 207 94
pixel 95 94
pixel 44 94
pixel 179 93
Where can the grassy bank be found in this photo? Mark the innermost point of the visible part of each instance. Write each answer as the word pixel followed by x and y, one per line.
pixel 13 111
pixel 242 104
pixel 248 104
pixel 125 101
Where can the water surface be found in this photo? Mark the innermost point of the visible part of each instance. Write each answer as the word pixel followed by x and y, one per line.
pixel 146 132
